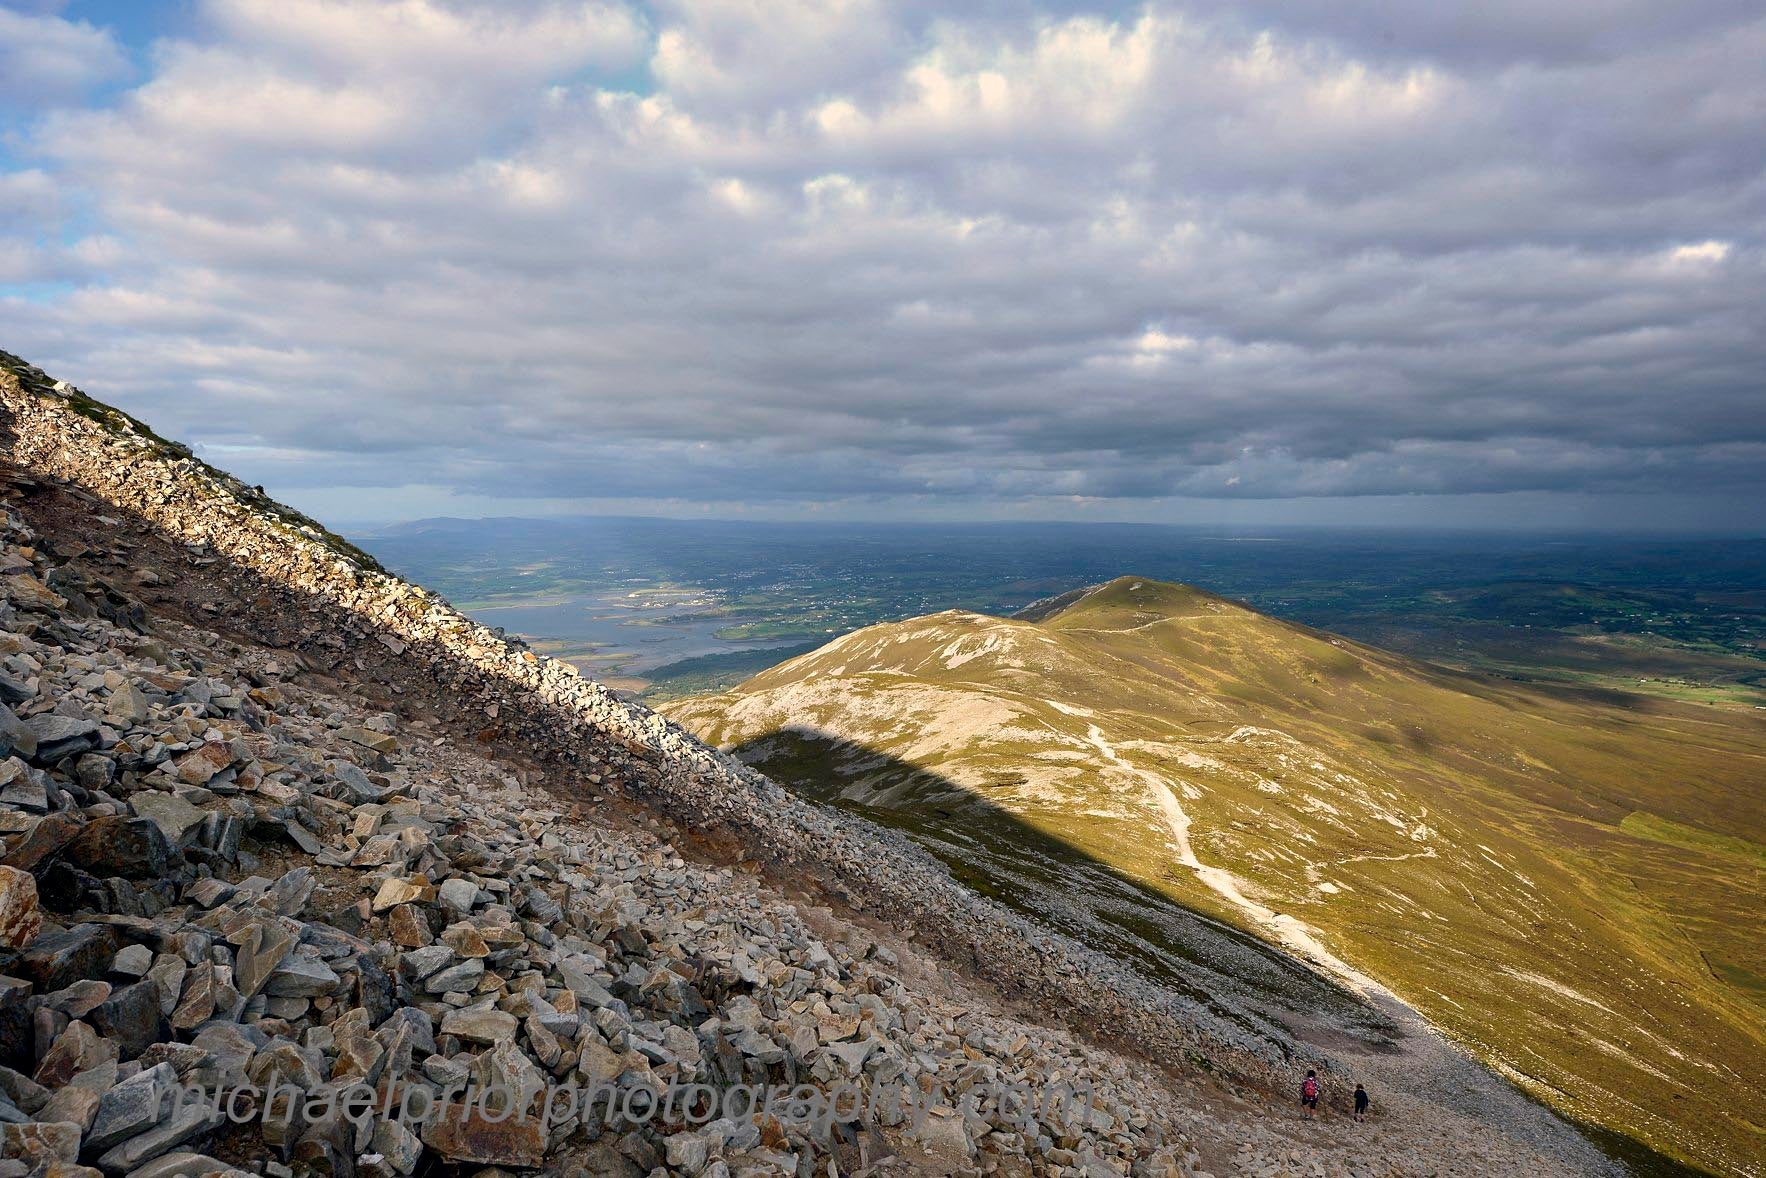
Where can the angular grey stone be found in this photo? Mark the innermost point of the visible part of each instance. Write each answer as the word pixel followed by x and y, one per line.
pixel 134 848
pixel 132 961
pixel 301 976
pixel 422 963
pixel 463 978
pixel 301 837
pixel 201 994
pixel 14 690
pixel 184 1164
pixel 445 1072
pixel 576 977
pixel 283 1062
pixel 171 813
pixel 398 1145
pixel 57 960
pixel 289 895
pixel 232 1046
pixel 131 1018
pixel 262 946
pixel 209 892
pixel 221 833
pixel 379 742
pixel 168 974
pixel 99 1079
pixel 356 784
pixel 94 771
pixel 185 1123
pixel 688 1151
pixel 71 1103
pixel 132 1107
pixel 15 735
pixel 852 1056
pixel 78 1000
pixel 27 794
pixel 478 1024
pixel 127 706
pixel 457 895
pixel 757 1046
pixel 23 1091
pixel 60 736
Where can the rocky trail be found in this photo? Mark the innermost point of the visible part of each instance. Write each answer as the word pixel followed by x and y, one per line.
pixel 273 819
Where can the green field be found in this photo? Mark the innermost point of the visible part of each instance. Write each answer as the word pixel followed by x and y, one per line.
pixel 1682 620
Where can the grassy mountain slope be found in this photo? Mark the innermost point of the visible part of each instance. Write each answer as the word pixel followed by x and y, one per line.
pixel 1568 882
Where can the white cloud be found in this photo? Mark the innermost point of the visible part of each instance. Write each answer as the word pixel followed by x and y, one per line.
pixel 754 55
pixel 1703 252
pixel 45 59
pixel 742 251
pixel 476 46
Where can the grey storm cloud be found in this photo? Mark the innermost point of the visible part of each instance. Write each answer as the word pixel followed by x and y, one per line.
pixel 729 251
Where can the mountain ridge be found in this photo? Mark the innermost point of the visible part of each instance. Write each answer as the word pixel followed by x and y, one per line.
pixel 1133 719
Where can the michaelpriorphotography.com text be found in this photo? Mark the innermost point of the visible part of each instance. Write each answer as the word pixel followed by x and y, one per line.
pixel 415 1105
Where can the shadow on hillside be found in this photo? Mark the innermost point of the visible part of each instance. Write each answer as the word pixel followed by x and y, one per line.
pixel 1219 968
pixel 998 854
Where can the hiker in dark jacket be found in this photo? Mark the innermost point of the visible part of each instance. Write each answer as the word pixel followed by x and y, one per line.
pixel 1309 1094
pixel 1360 1102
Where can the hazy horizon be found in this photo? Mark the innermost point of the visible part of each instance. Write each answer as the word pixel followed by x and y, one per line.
pixel 1524 528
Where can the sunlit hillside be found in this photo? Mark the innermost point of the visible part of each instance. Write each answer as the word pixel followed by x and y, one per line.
pixel 1568 882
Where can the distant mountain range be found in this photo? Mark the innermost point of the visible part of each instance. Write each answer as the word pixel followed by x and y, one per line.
pixel 1567 882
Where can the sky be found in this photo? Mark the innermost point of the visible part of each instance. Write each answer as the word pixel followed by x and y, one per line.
pixel 1493 265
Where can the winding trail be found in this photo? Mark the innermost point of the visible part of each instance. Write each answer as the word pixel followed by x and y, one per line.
pixel 1293 935
pixel 1420 1072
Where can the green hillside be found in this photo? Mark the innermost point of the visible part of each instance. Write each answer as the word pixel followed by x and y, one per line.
pixel 1567 881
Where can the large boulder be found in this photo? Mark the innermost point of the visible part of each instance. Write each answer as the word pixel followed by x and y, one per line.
pixel 131 1017
pixel 46 1148
pixel 61 736
pixel 56 961
pixel 15 1024
pixel 134 848
pixel 131 1108
pixel 203 762
pixel 461 1133
pixel 15 735
pixel 77 1049
pixel 47 839
pixel 174 816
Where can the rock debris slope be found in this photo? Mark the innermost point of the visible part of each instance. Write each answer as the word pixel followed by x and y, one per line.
pixel 273 816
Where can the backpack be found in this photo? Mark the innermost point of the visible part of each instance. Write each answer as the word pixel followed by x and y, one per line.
pixel 1309 1089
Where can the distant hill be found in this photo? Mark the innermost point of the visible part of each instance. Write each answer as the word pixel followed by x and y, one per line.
pixel 1567 881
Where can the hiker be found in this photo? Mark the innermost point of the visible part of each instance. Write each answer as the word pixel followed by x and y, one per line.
pixel 1309 1094
pixel 1360 1102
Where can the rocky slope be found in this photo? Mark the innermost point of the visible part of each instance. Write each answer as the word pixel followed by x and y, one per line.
pixel 1565 882
pixel 272 815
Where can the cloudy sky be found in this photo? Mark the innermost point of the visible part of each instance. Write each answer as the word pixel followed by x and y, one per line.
pixel 1277 261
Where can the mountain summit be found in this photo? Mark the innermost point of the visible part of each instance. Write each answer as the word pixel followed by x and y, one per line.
pixel 1561 880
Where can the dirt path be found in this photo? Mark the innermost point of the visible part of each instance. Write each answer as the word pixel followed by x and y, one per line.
pixel 1284 930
